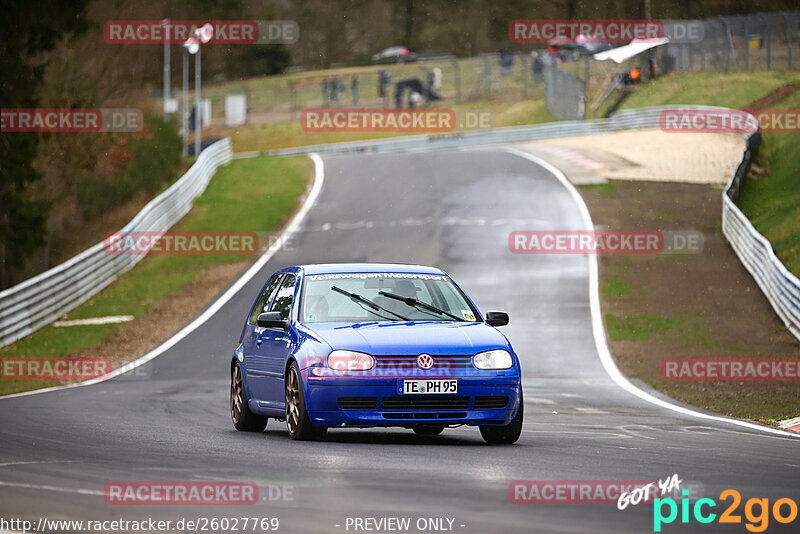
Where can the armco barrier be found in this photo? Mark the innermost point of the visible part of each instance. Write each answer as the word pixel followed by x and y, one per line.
pixel 781 287
pixel 38 301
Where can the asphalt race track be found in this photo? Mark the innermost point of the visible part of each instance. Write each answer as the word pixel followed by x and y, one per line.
pixel 452 209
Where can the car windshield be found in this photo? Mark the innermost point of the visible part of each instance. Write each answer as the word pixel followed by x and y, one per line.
pixel 359 297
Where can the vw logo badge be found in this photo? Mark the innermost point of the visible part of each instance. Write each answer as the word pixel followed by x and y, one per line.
pixel 425 361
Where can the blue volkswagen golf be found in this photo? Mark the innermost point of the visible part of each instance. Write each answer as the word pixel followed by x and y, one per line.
pixel 368 345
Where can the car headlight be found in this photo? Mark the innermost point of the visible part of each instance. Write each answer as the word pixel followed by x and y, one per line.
pixel 492 360
pixel 348 360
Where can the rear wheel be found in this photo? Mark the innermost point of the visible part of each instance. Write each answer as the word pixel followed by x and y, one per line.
pixel 499 435
pixel 243 418
pixel 428 430
pixel 297 421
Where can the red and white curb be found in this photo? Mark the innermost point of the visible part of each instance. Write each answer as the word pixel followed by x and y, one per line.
pixel 792 425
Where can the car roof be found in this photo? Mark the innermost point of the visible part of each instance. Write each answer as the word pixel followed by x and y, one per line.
pixel 330 268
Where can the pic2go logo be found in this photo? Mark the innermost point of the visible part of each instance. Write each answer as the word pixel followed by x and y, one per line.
pixel 757 521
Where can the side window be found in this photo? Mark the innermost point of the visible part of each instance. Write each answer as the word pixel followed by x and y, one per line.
pixel 263 300
pixel 284 296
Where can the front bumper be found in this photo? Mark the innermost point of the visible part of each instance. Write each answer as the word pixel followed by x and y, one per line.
pixel 373 402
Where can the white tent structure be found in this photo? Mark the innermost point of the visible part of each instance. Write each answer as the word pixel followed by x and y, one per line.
pixel 635 47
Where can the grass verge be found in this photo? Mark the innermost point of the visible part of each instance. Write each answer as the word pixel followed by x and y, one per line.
pixel 770 202
pixel 248 195
pixel 705 305
pixel 702 305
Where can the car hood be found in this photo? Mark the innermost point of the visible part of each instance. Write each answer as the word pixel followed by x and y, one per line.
pixel 389 338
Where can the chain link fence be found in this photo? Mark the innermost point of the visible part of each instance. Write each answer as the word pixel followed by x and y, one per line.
pixel 760 41
pixel 455 80
pixel 564 95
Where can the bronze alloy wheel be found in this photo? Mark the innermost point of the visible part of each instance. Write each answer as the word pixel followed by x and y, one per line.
pixel 243 419
pixel 298 422
pixel 237 395
pixel 292 400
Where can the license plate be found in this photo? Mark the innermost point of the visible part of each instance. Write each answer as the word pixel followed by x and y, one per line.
pixel 427 387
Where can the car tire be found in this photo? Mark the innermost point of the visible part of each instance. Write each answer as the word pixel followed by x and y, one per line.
pixel 428 430
pixel 243 419
pixel 297 421
pixel 508 434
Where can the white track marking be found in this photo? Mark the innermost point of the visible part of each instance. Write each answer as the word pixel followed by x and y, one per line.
pixel 291 228
pixel 598 328
pixel 37 462
pixel 79 491
pixel 110 319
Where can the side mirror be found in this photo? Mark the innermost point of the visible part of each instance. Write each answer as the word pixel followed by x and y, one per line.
pixel 497 318
pixel 272 320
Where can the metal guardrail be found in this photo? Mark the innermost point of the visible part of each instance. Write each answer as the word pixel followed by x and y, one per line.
pixel 780 286
pixel 38 301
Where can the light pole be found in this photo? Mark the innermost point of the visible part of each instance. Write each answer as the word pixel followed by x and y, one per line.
pixel 198 117
pixel 165 23
pixel 192 46
pixel 185 114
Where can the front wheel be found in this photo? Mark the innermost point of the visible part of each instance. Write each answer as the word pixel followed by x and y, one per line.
pixel 243 419
pixel 508 434
pixel 297 421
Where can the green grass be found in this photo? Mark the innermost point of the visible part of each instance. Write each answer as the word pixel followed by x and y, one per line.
pixel 771 203
pixel 614 287
pixel 733 89
pixel 606 188
pixel 285 134
pixel 248 195
pixel 685 330
pixel 642 326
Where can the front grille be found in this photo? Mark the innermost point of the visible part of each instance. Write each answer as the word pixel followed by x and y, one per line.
pixel 358 403
pixel 489 402
pixel 441 363
pixel 425 403
pixel 426 415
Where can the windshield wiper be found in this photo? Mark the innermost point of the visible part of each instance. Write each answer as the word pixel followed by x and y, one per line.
pixel 414 303
pixel 358 298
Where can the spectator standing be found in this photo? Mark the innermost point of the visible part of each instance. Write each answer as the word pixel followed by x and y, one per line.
pixel 538 67
pixel 354 89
